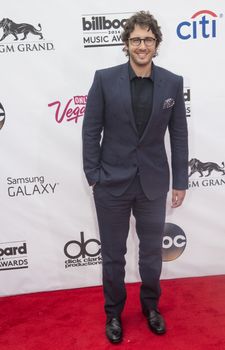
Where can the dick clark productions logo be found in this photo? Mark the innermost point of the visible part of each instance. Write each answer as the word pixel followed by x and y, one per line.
pixel 82 252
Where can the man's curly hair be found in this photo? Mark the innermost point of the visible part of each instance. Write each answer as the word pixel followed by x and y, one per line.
pixel 143 19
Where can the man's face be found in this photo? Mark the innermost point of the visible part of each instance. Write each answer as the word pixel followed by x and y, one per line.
pixel 141 55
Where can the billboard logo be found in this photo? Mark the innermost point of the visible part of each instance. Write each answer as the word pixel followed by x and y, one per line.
pixel 13 255
pixel 99 23
pixel 187 101
pixel 203 24
pixel 103 29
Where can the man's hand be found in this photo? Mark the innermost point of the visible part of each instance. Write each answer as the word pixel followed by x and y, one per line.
pixel 177 198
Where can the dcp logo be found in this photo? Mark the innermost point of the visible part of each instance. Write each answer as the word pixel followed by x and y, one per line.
pixel 202 25
pixel 76 249
pixel 174 242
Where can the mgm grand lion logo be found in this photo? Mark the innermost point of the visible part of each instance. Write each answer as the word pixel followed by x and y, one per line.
pixel 10 27
pixel 200 167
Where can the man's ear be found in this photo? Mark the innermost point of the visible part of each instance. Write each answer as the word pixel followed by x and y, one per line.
pixel 125 48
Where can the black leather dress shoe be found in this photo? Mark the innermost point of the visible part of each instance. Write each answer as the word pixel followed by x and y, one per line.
pixel 114 330
pixel 156 322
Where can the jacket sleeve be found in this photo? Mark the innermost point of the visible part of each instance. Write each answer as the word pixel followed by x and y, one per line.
pixel 179 141
pixel 92 129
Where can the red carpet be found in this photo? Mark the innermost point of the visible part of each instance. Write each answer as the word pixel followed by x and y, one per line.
pixel 194 309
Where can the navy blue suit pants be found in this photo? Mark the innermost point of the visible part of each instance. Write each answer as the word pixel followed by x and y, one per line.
pixel 113 213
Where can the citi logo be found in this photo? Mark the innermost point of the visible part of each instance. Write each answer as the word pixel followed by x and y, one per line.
pixel 101 23
pixel 203 24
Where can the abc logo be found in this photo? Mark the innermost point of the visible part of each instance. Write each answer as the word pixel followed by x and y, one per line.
pixel 76 249
pixel 174 242
pixel 2 116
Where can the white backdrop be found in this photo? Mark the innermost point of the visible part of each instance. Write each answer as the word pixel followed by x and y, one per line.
pixel 48 230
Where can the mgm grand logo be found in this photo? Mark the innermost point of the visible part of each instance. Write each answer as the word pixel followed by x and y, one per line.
pixel 20 31
pixel 206 173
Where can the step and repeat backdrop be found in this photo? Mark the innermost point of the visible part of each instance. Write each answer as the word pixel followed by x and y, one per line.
pixel 49 52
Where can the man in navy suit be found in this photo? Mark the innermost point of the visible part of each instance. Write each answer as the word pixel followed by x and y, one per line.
pixel 129 109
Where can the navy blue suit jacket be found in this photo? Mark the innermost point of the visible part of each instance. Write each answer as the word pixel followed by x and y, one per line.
pixel 112 150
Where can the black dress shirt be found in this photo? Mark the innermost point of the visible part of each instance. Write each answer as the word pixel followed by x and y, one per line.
pixel 142 98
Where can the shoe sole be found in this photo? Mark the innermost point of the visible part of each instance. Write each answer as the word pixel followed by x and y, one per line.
pixel 115 341
pixel 157 332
